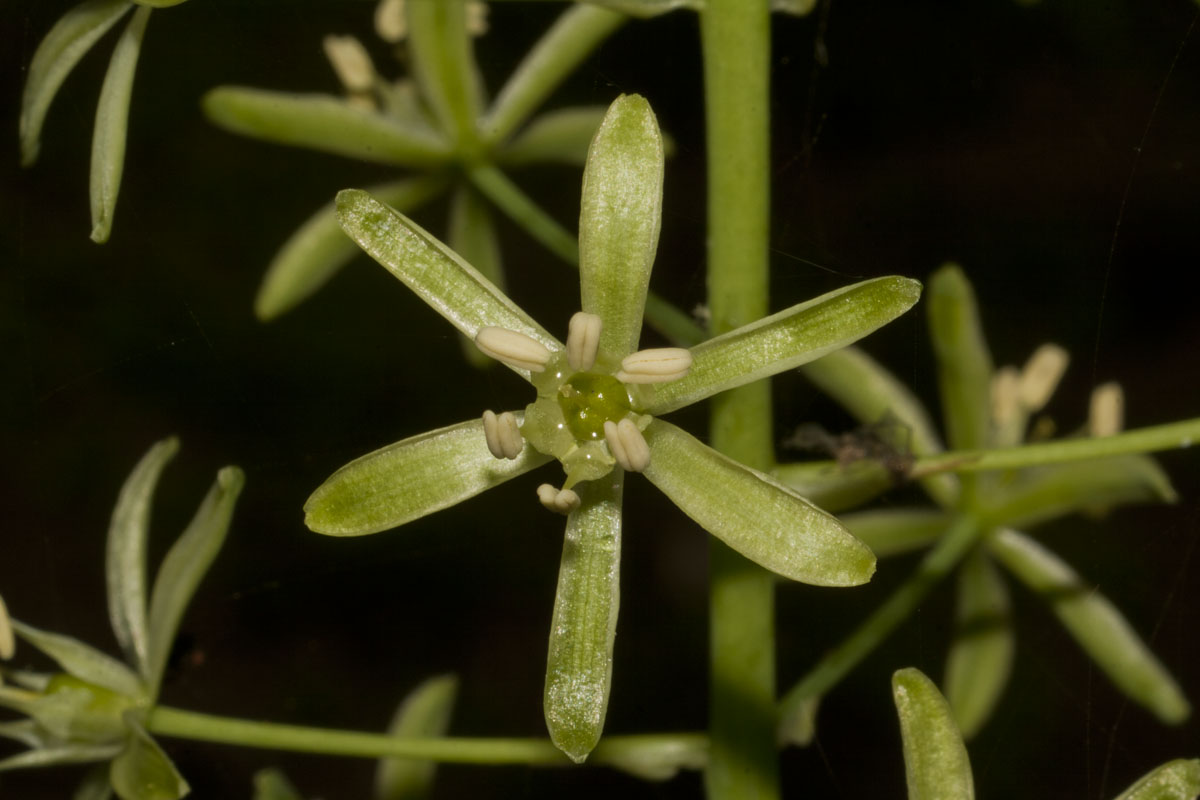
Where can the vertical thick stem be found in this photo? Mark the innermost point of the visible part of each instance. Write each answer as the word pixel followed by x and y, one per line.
pixel 735 36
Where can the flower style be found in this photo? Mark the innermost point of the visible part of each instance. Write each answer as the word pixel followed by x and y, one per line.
pixel 434 125
pixel 66 43
pixel 597 409
pixel 988 408
pixel 95 709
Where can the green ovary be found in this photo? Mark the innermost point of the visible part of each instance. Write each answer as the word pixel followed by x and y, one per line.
pixel 588 400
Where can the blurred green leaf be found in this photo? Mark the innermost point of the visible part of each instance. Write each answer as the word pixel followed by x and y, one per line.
pixel 935 760
pixel 272 784
pixel 562 136
pixel 835 487
pixel 424 713
pixel 753 514
pixel 125 565
pixel 889 531
pixel 67 42
pixel 1101 630
pixel 1175 780
pixel 981 654
pixel 579 664
pixel 440 49
pixel 56 756
pixel 142 771
pixel 964 363
pixel 473 236
pixel 83 661
pixel 95 785
pixel 112 120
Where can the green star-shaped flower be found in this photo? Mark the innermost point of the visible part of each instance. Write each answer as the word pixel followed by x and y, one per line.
pixel 95 708
pixel 597 410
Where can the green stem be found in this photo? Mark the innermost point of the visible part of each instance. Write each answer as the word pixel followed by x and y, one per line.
pixel 735 36
pixel 495 185
pixel 613 750
pixel 935 566
pixel 578 32
pixel 1143 440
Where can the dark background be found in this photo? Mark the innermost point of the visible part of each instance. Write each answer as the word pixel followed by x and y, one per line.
pixel 1052 150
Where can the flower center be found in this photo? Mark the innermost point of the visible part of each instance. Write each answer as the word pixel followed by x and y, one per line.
pixel 588 400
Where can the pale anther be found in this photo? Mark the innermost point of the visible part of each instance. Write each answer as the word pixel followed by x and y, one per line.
pixel 1106 417
pixel 390 22
pixel 503 435
pixel 1005 394
pixel 658 365
pixel 513 348
pixel 8 644
pixel 350 61
pixel 1041 375
pixel 583 340
pixel 562 501
pixel 477 18
pixel 627 445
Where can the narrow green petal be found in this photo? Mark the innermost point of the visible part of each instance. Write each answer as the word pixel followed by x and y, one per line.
pixel 1099 628
pixel 647 8
pixel 142 771
pixel 66 754
pixel 571 39
pixel 1175 780
pixel 472 235
pixel 320 248
pixel 443 64
pixel 1043 493
pixel 964 363
pixel 82 660
pixel 935 760
pixel 184 566
pixel 872 394
pixel 562 136
pixel 835 487
pixel 579 664
pixel 980 657
pixel 324 123
pixel 412 478
pixel 95 785
pixel 424 713
pixel 891 531
pixel 783 341
pixel 125 565
pixel 67 42
pixel 619 219
pixel 272 784
pixel 752 513
pixel 112 120
pixel 24 731
pixel 450 285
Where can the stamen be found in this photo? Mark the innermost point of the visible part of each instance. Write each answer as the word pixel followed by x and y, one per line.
pixel 562 501
pixel 1005 394
pixel 627 445
pixel 513 348
pixel 8 644
pixel 1041 375
pixel 1106 417
pixel 503 435
pixel 583 339
pixel 390 22
pixel 351 62
pixel 658 365
pixel 477 18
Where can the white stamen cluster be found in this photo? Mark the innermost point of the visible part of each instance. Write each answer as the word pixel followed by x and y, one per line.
pixel 513 348
pixel 657 365
pixel 627 445
pixel 1041 375
pixel 351 62
pixel 503 435
pixel 583 340
pixel 563 501
pixel 390 22
pixel 8 644
pixel 1106 415
pixel 477 18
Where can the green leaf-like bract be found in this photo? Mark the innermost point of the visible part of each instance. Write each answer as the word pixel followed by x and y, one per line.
pixel 1175 780
pixel 142 771
pixel 752 513
pixel 619 219
pixel 424 713
pixel 411 478
pixel 562 136
pixel 83 661
pixel 935 760
pixel 980 658
pixel 783 341
pixel 579 663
